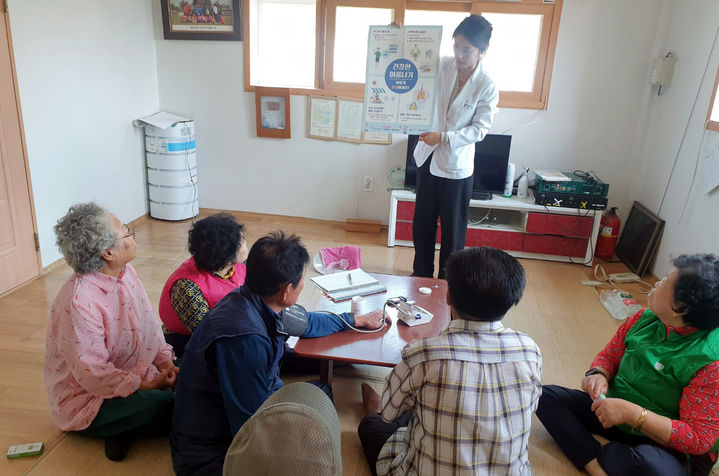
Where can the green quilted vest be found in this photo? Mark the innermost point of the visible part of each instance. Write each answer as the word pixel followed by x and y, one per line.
pixel 656 367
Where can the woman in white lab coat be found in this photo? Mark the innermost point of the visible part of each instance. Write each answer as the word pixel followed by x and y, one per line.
pixel 465 107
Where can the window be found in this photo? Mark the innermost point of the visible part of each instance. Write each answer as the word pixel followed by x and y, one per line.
pixel 319 46
pixel 713 113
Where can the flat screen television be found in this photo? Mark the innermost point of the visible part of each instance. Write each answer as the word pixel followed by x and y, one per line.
pixel 491 156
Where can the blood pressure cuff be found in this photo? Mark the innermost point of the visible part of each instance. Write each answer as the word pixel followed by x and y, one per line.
pixel 294 320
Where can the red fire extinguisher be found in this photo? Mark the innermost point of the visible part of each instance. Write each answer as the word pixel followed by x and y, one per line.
pixel 608 233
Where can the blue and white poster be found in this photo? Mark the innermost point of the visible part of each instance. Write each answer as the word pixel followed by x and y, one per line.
pixel 401 81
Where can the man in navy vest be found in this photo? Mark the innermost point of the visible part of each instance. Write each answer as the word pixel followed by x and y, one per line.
pixel 232 361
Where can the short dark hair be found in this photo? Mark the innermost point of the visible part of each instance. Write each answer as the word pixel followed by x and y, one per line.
pixel 696 291
pixel 484 283
pixel 275 260
pixel 215 240
pixel 477 30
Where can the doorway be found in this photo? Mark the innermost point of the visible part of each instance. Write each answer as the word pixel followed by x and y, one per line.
pixel 19 255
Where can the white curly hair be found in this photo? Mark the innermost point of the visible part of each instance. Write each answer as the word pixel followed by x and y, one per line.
pixel 83 235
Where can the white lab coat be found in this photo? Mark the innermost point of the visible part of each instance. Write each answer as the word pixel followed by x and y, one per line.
pixel 467 121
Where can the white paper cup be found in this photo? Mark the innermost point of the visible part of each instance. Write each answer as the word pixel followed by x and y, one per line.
pixel 359 306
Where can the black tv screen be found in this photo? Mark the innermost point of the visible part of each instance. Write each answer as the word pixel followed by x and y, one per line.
pixel 491 157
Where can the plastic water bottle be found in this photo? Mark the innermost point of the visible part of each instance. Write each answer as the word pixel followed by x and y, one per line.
pixel 509 181
pixel 619 304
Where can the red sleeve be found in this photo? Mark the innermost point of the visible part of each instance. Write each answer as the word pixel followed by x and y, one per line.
pixel 610 357
pixel 697 429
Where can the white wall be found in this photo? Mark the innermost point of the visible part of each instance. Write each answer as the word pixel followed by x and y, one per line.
pixel 600 75
pixel 676 138
pixel 84 73
pixel 81 86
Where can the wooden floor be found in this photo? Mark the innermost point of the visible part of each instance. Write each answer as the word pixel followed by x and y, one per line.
pixel 564 318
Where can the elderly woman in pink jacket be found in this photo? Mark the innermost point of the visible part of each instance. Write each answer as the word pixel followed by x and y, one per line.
pixel 108 371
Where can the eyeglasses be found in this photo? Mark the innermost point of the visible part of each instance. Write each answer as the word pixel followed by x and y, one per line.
pixel 130 232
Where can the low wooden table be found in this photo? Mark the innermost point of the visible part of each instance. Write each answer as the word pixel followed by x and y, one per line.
pixel 383 348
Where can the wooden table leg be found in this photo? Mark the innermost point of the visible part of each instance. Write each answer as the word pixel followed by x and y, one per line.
pixel 326 371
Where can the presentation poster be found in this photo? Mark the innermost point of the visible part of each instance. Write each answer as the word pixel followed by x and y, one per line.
pixel 400 84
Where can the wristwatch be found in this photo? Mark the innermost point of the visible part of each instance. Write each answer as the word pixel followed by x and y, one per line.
pixel 593 371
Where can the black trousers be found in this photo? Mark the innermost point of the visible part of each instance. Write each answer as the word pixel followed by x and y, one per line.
pixel 374 432
pixel 447 199
pixel 567 416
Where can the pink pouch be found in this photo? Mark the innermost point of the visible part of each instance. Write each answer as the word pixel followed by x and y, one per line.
pixel 341 257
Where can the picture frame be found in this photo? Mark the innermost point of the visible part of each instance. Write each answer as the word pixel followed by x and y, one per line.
pixel 273 112
pixel 383 138
pixel 322 117
pixel 202 19
pixel 639 239
pixel 349 120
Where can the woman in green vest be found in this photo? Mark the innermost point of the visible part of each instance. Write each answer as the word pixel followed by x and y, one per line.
pixel 653 392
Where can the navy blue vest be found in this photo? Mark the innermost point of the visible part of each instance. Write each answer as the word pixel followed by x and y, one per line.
pixel 200 430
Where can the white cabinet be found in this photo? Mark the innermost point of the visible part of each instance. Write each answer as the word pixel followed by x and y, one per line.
pixel 516 225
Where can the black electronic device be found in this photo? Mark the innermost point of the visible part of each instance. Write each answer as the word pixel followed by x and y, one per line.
pixel 491 156
pixel 578 184
pixel 570 200
pixel 479 195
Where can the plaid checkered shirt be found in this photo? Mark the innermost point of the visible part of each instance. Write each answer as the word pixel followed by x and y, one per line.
pixel 471 391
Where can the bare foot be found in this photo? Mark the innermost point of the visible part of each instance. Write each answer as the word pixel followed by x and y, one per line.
pixel 370 399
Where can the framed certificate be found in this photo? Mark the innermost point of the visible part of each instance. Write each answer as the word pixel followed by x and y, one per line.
pixel 384 138
pixel 322 118
pixel 273 112
pixel 349 120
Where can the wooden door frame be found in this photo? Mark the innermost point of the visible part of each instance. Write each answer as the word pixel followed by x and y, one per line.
pixel 21 123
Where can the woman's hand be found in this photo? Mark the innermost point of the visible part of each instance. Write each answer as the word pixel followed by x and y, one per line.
pixel 616 411
pixel 165 379
pixel 373 320
pixel 595 384
pixel 431 138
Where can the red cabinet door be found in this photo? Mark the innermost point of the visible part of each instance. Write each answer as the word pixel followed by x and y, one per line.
pixel 403 231
pixel 564 225
pixel 504 240
pixel 405 211
pixel 555 245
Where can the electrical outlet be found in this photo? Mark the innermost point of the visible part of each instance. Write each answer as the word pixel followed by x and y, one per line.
pixel 368 184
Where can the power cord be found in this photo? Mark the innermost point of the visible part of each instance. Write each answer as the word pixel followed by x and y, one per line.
pixel 481 220
pixel 189 172
pixel 620 278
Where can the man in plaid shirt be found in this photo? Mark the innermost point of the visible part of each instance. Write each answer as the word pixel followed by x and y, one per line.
pixel 460 403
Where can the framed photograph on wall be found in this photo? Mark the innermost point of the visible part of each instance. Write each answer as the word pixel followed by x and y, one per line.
pixel 201 19
pixel 322 118
pixel 349 120
pixel 273 112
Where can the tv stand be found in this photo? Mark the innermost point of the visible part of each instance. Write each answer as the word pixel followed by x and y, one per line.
pixel 515 225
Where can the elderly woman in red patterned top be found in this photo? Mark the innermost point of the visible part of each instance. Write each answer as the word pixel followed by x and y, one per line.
pixel 653 391
pixel 218 248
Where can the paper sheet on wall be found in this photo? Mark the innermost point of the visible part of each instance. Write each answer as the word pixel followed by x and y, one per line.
pixel 711 167
pixel 163 120
pixel 400 83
